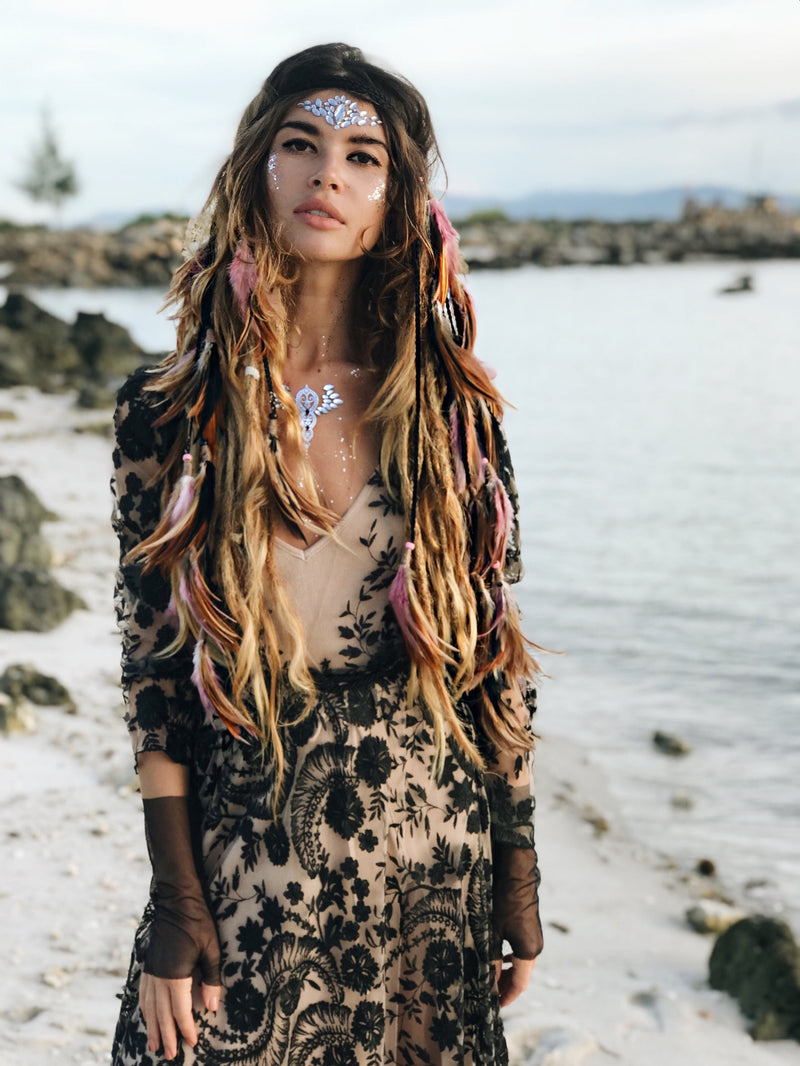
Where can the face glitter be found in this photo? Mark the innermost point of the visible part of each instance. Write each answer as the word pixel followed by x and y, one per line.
pixel 272 169
pixel 378 195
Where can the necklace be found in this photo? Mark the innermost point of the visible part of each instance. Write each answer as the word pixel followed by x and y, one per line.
pixel 311 407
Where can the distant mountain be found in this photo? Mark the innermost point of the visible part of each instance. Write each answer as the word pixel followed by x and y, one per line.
pixel 607 206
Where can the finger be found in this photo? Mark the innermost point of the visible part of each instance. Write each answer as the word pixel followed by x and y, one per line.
pixel 166 1022
pixel 515 980
pixel 181 1004
pixel 143 997
pixel 210 994
pixel 147 1003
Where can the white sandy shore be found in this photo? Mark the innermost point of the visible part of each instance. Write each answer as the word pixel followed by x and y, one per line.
pixel 622 978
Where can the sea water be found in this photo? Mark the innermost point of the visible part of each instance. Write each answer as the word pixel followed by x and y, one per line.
pixel 656 439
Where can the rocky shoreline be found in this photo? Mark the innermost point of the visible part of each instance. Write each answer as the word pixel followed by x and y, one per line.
pixel 146 252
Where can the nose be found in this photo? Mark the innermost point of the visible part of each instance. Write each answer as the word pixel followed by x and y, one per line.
pixel 324 181
pixel 326 175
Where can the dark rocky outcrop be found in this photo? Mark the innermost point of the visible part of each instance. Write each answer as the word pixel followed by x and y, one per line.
pixel 37 348
pixel 30 598
pixel 21 515
pixel 757 962
pixel 670 744
pixel 20 681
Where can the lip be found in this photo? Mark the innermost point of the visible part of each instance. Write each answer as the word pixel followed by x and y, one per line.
pixel 317 204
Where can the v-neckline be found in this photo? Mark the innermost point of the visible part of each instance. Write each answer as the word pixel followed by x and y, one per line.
pixel 325 538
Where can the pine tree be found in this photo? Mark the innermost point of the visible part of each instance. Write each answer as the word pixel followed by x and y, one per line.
pixel 49 179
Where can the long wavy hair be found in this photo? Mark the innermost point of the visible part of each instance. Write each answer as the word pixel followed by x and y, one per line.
pixel 436 410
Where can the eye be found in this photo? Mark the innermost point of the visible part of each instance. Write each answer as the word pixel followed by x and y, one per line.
pixel 364 159
pixel 297 144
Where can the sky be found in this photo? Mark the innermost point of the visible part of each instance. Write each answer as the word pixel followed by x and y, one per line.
pixel 526 95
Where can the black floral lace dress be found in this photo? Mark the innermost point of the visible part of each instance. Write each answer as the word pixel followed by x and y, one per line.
pixel 356 926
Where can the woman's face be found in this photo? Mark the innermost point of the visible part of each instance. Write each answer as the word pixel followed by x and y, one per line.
pixel 327 186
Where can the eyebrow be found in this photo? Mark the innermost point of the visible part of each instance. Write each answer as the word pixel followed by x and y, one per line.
pixel 314 131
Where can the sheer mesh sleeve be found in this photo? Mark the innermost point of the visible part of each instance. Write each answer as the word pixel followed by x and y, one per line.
pixel 509 787
pixel 161 704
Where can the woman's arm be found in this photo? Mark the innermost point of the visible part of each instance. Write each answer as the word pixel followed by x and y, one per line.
pixel 160 776
pixel 162 716
pixel 515 870
pixel 183 935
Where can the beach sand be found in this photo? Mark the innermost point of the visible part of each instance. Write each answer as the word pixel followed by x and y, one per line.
pixel 622 978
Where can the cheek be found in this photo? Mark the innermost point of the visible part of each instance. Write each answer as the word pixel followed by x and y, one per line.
pixel 377 196
pixel 376 209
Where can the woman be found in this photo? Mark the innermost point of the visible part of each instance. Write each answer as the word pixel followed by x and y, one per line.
pixel 328 690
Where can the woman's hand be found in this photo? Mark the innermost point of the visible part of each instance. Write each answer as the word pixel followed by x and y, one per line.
pixel 183 937
pixel 167 1004
pixel 514 979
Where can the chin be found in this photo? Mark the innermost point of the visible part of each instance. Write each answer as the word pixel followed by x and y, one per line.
pixel 315 251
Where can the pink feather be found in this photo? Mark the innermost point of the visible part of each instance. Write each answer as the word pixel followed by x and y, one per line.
pixel 420 644
pixel 185 593
pixel 181 363
pixel 450 258
pixel 198 655
pixel 184 498
pixel 504 521
pixel 480 475
pixel 243 276
pixel 449 235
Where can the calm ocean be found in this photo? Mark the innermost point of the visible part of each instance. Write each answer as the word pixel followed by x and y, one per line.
pixel 656 438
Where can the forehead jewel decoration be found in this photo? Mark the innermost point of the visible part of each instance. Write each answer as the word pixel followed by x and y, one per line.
pixel 340 112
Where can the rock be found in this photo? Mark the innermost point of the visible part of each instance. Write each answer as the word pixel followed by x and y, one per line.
pixel 21 515
pixel 596 820
pixel 104 427
pixel 107 350
pixel 24 682
pixel 33 600
pixel 681 802
pixel 92 396
pixel 16 716
pixel 670 744
pixel 29 597
pixel 38 349
pixel 705 867
pixel 757 962
pixel 710 916
pixel 35 347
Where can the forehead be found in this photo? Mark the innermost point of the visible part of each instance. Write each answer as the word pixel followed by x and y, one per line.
pixel 339 110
